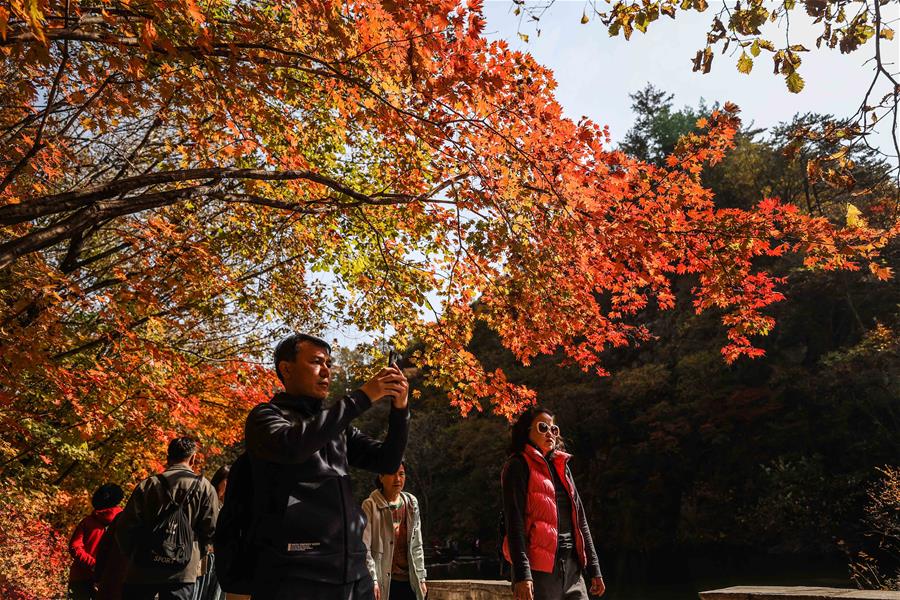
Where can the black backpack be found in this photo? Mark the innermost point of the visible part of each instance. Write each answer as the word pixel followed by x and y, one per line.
pixel 232 542
pixel 168 542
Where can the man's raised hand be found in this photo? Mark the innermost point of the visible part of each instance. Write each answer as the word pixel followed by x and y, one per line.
pixel 388 382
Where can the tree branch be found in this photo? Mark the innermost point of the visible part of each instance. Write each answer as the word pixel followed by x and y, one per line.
pixel 87 216
pixel 58 203
pixel 38 144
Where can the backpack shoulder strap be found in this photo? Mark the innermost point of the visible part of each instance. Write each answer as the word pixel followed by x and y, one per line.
pixel 169 490
pixel 190 491
pixel 166 486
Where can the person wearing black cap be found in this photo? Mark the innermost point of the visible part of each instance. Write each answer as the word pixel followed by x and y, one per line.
pixel 86 537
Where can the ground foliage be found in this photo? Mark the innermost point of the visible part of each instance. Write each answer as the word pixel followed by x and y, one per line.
pixel 878 567
pixel 181 182
pixel 34 530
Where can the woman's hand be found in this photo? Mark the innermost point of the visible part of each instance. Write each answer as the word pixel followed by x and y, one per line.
pixel 598 588
pixel 424 588
pixel 377 592
pixel 523 590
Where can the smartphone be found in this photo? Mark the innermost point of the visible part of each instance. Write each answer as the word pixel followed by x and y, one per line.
pixel 393 358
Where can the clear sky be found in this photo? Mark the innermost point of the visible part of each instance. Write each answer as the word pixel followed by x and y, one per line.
pixel 596 72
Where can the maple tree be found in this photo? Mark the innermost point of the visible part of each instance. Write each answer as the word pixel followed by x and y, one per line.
pixel 183 181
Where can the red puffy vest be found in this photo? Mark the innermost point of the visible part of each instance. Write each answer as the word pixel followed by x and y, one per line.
pixel 541 520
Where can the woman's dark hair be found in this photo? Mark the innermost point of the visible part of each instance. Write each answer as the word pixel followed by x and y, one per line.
pixel 220 475
pixel 521 428
pixel 107 496
pixel 378 477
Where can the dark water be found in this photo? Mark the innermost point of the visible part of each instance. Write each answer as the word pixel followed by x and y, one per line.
pixel 682 577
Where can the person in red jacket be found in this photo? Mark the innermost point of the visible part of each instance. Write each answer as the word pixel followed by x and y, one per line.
pixel 547 542
pixel 83 544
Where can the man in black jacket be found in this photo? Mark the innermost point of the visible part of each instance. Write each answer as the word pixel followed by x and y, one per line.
pixel 306 523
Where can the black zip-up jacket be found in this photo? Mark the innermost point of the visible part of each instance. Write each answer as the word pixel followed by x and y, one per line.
pixel 306 522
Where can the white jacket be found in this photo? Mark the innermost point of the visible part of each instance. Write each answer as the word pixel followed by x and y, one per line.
pixel 379 539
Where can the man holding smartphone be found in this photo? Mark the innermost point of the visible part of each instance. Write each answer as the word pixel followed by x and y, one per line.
pixel 306 523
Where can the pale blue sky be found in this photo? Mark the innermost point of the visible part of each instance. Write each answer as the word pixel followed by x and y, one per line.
pixel 596 72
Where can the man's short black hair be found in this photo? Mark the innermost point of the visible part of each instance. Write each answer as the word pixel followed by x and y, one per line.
pixel 287 348
pixel 107 496
pixel 181 449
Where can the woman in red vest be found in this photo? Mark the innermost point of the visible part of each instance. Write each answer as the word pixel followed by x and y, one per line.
pixel 547 542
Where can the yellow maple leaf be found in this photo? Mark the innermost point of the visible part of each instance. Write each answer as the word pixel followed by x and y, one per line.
pixel 854 217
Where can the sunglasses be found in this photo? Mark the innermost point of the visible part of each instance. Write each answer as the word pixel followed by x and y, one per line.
pixel 542 427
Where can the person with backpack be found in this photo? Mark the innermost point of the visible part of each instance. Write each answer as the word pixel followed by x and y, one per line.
pixel 166 527
pixel 86 538
pixel 306 526
pixel 547 539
